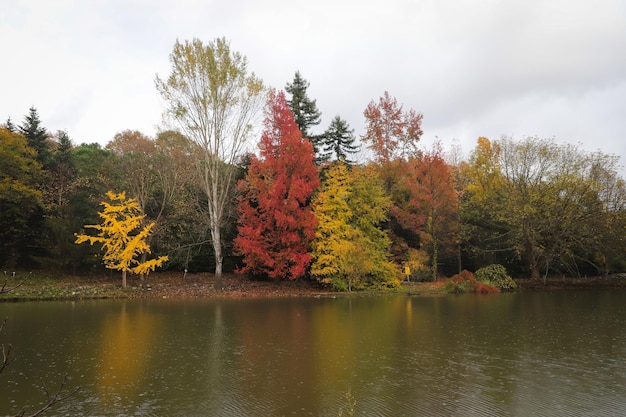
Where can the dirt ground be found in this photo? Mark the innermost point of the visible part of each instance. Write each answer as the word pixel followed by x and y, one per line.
pixel 50 286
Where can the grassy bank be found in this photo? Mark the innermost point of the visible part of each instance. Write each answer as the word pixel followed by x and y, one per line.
pixel 26 286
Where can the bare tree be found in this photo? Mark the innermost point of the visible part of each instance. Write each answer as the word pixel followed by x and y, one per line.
pixel 213 100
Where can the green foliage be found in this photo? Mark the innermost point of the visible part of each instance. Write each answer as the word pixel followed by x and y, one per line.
pixel 36 135
pixel 540 201
pixel 339 141
pixel 304 109
pixel 496 276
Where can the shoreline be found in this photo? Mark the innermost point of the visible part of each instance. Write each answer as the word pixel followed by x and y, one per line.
pixel 168 285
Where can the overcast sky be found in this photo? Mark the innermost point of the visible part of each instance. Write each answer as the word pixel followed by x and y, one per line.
pixel 546 68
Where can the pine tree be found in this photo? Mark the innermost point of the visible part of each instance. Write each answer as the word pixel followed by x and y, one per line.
pixel 304 109
pixel 61 171
pixel 36 135
pixel 338 141
pixel 276 224
pixel 10 126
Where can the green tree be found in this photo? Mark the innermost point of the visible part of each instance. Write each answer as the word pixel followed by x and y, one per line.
pixel 10 126
pixel 305 110
pixel 213 100
pixel 59 189
pixel 532 198
pixel 339 141
pixel 61 172
pixel 97 171
pixel 483 220
pixel 608 225
pixel 36 135
pixel 350 251
pixel 122 236
pixel 21 209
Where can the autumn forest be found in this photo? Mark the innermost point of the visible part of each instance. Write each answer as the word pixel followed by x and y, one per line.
pixel 243 178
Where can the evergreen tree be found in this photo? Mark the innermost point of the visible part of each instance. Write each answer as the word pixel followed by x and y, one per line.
pixel 338 141
pixel 304 109
pixel 10 126
pixel 61 173
pixel 60 186
pixel 36 135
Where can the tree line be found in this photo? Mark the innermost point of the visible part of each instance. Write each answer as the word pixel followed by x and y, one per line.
pixel 305 204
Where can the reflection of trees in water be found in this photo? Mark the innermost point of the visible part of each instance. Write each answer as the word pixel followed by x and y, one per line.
pixel 128 338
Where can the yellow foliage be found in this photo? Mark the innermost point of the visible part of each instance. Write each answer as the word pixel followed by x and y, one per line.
pixel 120 242
pixel 349 250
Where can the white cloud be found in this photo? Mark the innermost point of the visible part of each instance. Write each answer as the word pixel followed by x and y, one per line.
pixel 551 68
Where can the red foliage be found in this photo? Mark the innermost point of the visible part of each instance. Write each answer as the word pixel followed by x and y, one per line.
pixel 481 288
pixel 391 132
pixel 425 200
pixel 276 224
pixel 464 276
pixel 467 279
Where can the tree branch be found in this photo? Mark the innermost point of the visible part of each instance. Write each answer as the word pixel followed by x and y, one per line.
pixel 57 397
pixel 5 290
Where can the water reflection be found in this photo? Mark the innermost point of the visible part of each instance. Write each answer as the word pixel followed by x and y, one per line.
pixel 510 354
pixel 128 340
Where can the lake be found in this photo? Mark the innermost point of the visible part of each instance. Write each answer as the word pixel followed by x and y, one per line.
pixel 522 354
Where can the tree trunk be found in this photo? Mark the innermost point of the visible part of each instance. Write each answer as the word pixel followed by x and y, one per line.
pixel 123 279
pixel 535 274
pixel 435 259
pixel 217 248
pixel 144 257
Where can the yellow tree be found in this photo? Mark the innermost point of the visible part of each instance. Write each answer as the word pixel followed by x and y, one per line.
pixel 349 250
pixel 121 240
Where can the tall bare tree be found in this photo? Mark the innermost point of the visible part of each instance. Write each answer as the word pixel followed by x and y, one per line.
pixel 214 101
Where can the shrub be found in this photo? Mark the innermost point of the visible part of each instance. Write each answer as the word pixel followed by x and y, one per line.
pixel 496 276
pixel 466 282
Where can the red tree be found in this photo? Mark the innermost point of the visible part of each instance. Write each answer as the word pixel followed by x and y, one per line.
pixel 391 132
pixel 276 224
pixel 434 192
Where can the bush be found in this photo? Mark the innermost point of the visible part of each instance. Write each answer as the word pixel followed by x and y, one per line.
pixel 466 282
pixel 496 276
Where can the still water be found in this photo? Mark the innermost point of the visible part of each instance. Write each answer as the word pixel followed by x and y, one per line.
pixel 526 354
